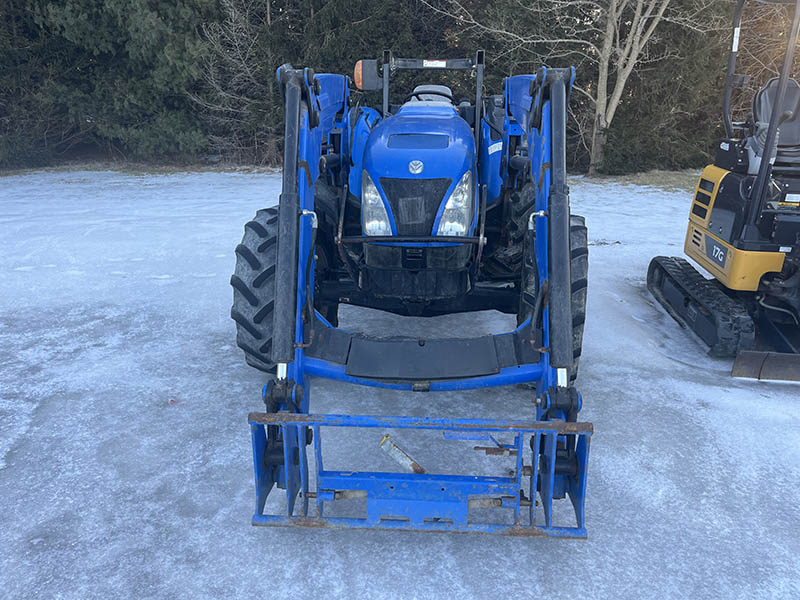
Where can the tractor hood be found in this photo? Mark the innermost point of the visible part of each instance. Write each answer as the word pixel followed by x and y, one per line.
pixel 420 142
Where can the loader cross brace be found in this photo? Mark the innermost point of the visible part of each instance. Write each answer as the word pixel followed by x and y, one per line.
pixel 423 501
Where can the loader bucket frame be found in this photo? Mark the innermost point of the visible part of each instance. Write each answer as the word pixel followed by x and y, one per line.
pixel 551 452
pixel 422 501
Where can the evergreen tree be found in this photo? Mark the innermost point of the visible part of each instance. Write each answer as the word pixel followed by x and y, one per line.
pixel 154 78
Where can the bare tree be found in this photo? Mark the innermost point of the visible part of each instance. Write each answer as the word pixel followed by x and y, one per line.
pixel 761 49
pixel 609 38
pixel 238 98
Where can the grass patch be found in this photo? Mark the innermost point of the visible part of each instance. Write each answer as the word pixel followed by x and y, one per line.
pixel 685 180
pixel 141 168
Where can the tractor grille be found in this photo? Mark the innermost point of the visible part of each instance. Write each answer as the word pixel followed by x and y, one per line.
pixel 415 202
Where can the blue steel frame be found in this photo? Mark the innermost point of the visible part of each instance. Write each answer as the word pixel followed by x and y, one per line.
pixel 422 501
pixel 431 502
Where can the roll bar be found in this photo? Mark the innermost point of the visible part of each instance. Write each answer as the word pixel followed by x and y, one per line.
pixel 762 179
pixel 367 78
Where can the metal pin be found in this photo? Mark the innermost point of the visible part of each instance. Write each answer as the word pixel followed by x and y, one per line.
pixel 399 455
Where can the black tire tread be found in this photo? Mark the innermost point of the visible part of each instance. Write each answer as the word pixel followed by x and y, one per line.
pixel 241 286
pixel 247 254
pixel 579 282
pixel 735 328
pixel 253 284
pixel 258 228
pixel 263 276
pixel 579 269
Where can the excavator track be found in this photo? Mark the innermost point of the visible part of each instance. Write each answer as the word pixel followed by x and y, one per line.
pixel 700 305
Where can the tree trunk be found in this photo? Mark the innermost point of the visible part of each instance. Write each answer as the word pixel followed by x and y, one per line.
pixel 599 139
pixel 600 125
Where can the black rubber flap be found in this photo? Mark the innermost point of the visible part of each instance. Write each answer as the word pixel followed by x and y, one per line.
pixel 422 359
pixel 767 365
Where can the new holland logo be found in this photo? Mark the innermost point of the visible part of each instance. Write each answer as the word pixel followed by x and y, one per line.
pixel 415 167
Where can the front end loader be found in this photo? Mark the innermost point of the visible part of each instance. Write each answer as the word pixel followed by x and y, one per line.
pixel 422 208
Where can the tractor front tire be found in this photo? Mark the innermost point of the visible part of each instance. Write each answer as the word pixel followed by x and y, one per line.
pixel 253 283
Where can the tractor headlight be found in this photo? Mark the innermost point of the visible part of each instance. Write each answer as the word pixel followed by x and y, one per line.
pixel 373 211
pixel 457 213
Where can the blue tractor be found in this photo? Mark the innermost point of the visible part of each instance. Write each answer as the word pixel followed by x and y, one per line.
pixel 427 207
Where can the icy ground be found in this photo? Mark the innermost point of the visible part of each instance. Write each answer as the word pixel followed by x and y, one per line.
pixel 125 461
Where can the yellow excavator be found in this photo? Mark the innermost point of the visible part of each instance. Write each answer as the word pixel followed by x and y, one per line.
pixel 744 230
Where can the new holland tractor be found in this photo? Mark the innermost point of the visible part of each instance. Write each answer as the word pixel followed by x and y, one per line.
pixel 425 207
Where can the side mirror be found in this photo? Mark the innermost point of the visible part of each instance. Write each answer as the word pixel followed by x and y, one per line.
pixel 365 75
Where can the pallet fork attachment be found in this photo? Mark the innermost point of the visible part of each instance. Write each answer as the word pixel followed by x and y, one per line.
pixel 551 452
pixel 422 501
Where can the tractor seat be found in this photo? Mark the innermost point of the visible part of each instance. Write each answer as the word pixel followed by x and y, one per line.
pixel 433 98
pixel 789 138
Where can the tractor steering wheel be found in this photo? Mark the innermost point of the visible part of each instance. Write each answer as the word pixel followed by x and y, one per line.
pixel 418 95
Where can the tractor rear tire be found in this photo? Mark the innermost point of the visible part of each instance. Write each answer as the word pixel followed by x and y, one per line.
pixel 579 271
pixel 579 268
pixel 253 283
